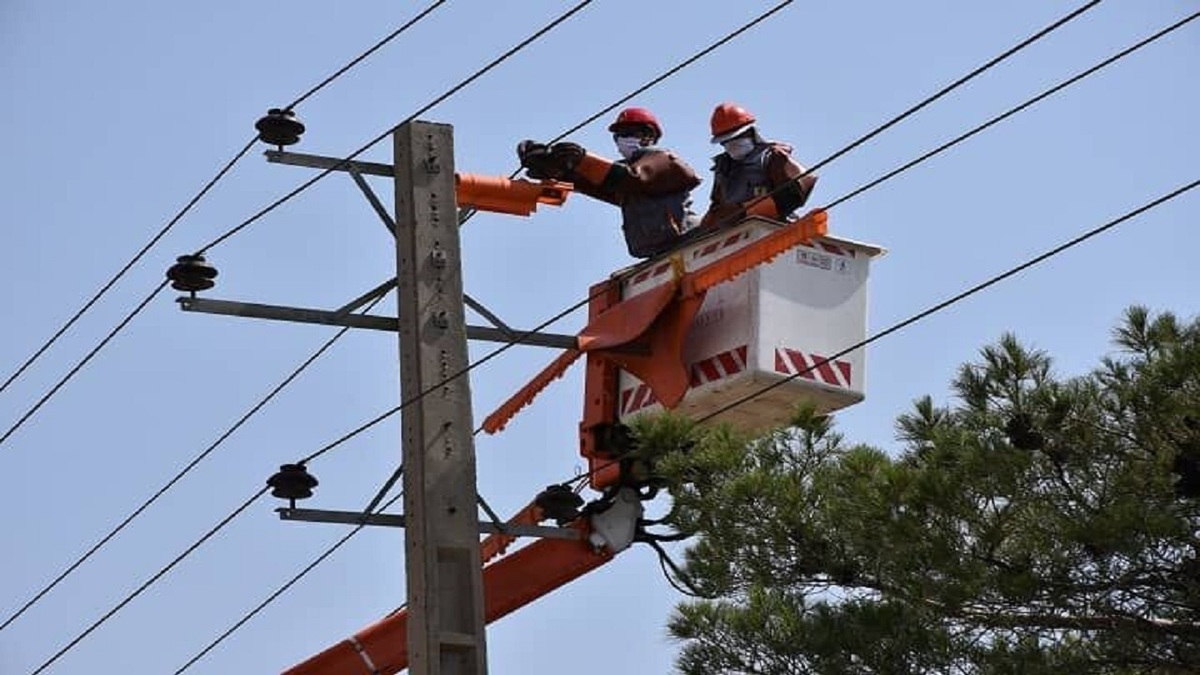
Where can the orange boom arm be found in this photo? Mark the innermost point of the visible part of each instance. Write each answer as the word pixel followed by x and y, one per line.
pixel 509 584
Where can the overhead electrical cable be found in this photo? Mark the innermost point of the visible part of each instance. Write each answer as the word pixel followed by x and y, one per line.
pixel 391 130
pixel 665 560
pixel 125 268
pixel 182 472
pixel 82 362
pixel 149 582
pixel 371 50
pixel 200 195
pixel 290 582
pixel 998 118
pixel 1062 21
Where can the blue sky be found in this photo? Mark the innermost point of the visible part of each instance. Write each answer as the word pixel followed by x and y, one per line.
pixel 116 113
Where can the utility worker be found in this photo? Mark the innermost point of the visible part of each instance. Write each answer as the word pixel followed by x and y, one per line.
pixel 652 185
pixel 753 176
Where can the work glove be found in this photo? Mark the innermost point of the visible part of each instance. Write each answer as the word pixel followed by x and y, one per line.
pixel 567 155
pixel 539 164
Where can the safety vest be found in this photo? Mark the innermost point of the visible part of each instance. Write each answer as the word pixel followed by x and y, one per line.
pixel 653 224
pixel 740 180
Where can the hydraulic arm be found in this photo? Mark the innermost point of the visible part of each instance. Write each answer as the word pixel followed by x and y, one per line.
pixel 607 527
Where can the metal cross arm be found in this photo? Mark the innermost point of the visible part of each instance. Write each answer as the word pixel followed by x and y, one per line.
pixel 398 520
pixel 518 197
pixel 368 321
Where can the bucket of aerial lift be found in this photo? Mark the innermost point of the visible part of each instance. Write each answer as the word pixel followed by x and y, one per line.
pixel 776 325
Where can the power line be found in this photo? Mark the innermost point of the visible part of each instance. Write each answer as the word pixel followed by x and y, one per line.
pixel 82 362
pixel 518 339
pixel 495 62
pixel 678 67
pixel 730 36
pixel 358 59
pixel 995 120
pixel 1016 109
pixel 1067 18
pixel 1072 80
pixel 120 273
pixel 182 472
pixel 290 582
pixel 157 575
pixel 963 295
pixel 199 195
pixel 450 92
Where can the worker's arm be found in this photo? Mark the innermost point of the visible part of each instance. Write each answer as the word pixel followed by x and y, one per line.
pixel 654 173
pixel 789 189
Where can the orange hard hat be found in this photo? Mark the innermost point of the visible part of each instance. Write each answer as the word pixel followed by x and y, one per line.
pixel 637 117
pixel 730 120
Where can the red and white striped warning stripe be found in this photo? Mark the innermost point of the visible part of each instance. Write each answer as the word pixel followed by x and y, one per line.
pixel 792 362
pixel 704 371
pixel 650 272
pixel 719 367
pixel 721 243
pixel 637 397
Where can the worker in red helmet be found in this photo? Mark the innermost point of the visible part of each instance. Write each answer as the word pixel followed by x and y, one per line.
pixel 652 185
pixel 753 176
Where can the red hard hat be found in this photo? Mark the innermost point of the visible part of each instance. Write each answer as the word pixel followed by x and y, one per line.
pixel 635 116
pixel 729 120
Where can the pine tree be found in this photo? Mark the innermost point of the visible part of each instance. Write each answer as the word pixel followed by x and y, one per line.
pixel 1038 524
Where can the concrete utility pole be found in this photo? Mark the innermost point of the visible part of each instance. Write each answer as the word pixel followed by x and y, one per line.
pixel 445 585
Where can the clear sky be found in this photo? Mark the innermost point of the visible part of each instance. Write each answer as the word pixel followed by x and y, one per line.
pixel 115 113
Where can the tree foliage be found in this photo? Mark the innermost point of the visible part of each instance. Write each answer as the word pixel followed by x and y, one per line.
pixel 1038 524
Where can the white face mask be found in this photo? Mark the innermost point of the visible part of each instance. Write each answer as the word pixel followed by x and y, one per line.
pixel 627 145
pixel 738 148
